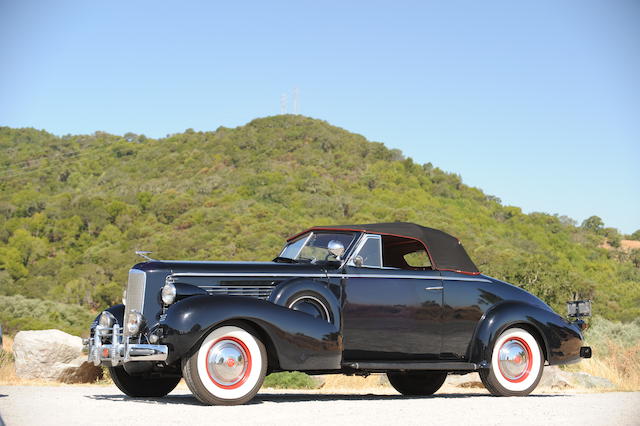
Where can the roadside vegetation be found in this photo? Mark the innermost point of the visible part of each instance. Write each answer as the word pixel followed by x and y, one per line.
pixel 20 313
pixel 74 208
pixel 290 380
pixel 616 352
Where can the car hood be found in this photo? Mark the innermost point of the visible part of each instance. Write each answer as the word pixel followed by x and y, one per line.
pixel 213 267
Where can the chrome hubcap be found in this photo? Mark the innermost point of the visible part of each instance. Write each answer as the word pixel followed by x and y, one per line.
pixel 227 362
pixel 514 360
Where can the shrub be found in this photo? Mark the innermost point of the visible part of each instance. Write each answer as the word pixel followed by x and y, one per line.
pixel 289 380
pixel 616 352
pixel 20 313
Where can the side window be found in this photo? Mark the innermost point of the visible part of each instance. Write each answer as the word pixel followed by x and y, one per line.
pixel 404 253
pixel 417 259
pixel 369 254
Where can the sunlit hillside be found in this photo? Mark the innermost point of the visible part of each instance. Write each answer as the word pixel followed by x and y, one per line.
pixel 73 209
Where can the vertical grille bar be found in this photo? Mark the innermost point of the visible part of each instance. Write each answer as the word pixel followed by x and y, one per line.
pixel 135 293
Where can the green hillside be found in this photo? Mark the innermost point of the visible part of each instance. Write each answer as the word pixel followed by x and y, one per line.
pixel 73 209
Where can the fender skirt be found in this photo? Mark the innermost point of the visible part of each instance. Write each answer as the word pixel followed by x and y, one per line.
pixel 298 340
pixel 561 340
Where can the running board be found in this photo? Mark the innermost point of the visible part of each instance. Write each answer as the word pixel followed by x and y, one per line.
pixel 411 365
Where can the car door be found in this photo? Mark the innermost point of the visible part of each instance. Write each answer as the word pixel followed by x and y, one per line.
pixel 389 313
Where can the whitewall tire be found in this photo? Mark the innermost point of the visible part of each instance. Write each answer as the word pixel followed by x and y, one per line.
pixel 228 368
pixel 517 362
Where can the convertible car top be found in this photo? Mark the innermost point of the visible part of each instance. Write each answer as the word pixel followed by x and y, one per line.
pixel 445 251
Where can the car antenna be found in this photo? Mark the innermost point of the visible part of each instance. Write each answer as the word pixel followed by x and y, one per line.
pixel 144 254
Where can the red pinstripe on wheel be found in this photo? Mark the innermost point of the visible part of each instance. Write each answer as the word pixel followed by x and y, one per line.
pixel 229 362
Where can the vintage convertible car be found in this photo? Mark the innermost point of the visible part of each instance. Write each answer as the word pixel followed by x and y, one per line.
pixel 396 298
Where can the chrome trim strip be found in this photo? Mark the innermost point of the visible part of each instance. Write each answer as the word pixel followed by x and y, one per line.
pixel 434 288
pixel 269 274
pixel 481 280
pixel 242 274
pixel 326 310
pixel 415 277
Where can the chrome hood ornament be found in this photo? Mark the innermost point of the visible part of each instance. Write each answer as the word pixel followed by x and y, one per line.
pixel 144 254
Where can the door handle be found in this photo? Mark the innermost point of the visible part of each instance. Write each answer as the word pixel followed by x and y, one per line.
pixel 434 288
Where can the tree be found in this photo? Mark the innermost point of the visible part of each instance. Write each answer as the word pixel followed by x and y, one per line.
pixel 635 235
pixel 593 224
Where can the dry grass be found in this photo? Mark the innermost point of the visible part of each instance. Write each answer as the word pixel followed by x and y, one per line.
pixel 621 366
pixel 334 382
pixel 7 343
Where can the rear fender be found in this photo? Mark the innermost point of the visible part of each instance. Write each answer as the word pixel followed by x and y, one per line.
pixel 300 341
pixel 560 340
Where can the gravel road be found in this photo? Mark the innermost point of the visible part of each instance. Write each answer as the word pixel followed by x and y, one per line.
pixel 102 405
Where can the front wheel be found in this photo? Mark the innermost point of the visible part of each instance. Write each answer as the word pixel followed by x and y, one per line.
pixel 417 382
pixel 516 364
pixel 228 367
pixel 139 386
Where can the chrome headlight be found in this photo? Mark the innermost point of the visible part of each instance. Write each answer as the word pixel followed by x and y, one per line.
pixel 134 322
pixel 106 321
pixel 168 293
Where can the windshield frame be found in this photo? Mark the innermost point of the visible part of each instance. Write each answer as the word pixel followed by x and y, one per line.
pixel 289 243
pixel 355 238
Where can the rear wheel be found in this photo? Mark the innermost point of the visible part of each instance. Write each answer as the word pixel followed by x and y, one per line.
pixel 228 368
pixel 139 386
pixel 516 364
pixel 417 382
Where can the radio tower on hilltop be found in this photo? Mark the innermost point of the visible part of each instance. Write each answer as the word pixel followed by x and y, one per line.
pixel 283 103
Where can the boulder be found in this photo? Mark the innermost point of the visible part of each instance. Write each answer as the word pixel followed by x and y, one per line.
pixel 552 378
pixel 52 355
pixel 555 378
pixel 584 380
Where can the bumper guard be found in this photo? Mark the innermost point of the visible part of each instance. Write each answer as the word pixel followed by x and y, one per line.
pixel 120 350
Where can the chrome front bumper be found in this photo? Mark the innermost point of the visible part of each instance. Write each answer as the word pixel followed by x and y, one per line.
pixel 120 350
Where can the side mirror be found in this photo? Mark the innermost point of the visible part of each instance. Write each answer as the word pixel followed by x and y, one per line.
pixel 336 248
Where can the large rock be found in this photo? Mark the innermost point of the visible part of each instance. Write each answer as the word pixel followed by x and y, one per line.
pixel 552 378
pixel 555 378
pixel 52 355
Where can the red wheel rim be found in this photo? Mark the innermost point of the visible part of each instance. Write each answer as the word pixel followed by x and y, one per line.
pixel 231 343
pixel 511 351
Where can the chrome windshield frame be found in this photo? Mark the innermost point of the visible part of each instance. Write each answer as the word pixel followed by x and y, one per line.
pixel 304 244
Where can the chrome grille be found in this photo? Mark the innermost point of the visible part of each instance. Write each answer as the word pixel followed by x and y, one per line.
pixel 135 292
pixel 260 292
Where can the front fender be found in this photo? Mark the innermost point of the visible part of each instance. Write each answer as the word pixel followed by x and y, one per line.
pixel 561 340
pixel 115 310
pixel 299 341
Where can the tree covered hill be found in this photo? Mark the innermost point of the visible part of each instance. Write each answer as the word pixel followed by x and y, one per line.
pixel 73 209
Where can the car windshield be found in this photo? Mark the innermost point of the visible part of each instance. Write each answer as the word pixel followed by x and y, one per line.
pixel 313 246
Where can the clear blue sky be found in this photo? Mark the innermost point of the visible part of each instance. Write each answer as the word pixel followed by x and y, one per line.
pixel 535 102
